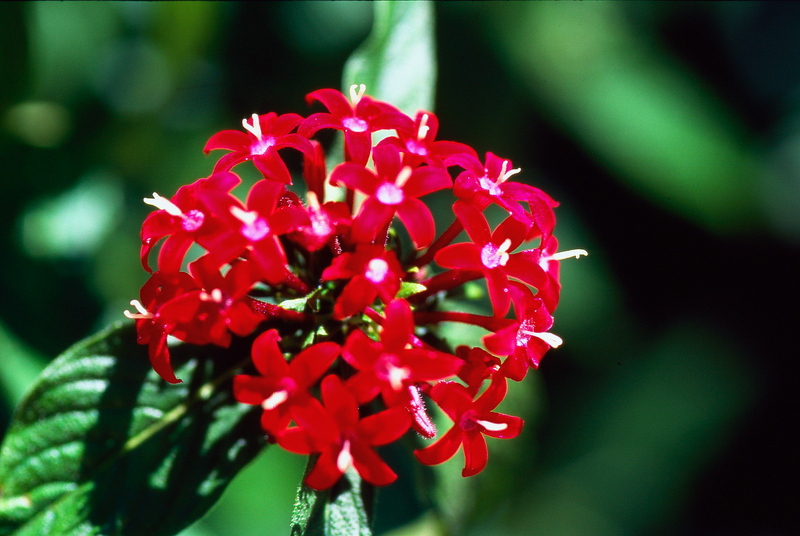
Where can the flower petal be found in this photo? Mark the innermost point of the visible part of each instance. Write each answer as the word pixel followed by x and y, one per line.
pixel 417 218
pixel 475 454
pixel 442 450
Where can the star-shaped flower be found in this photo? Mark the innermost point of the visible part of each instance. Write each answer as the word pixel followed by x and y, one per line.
pixel 472 419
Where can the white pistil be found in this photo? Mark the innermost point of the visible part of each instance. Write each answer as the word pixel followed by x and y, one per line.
pixel 141 312
pixel 423 129
pixel 162 203
pixel 255 128
pixel 344 460
pixel 492 426
pixel 356 92
pixel 505 174
pixel 561 255
pixel 275 399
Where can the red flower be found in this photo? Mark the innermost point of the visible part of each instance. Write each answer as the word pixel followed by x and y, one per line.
pixel 265 136
pixel 481 185
pixel 417 143
pixel 256 228
pixel 392 189
pixel 527 339
pixel 478 365
pixel 539 267
pixel 325 222
pixel 201 308
pixel 282 385
pixel 341 438
pixel 372 271
pixel 390 365
pixel 150 328
pixel 358 118
pixel 471 421
pixel 184 219
pixel 488 253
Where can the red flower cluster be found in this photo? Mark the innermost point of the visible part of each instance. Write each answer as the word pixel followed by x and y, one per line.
pixel 324 282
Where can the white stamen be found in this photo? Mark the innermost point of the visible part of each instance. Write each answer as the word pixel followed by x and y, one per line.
pixel 141 311
pixel 554 341
pixel 423 129
pixel 561 255
pixel 504 248
pixel 215 296
pixel 313 200
pixel 275 399
pixel 492 426
pixel 163 203
pixel 344 460
pixel 356 92
pixel 402 177
pixel 255 128
pixel 504 174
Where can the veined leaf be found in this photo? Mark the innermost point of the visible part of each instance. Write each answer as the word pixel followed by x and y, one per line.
pixel 343 510
pixel 102 445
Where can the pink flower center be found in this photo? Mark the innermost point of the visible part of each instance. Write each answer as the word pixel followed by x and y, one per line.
pixel 493 256
pixel 387 370
pixel 493 186
pixel 192 220
pixel 490 186
pixel 354 124
pixel 416 148
pixel 255 231
pixel 260 147
pixel 467 421
pixel 389 194
pixel 377 270
pixel 254 227
pixel 320 224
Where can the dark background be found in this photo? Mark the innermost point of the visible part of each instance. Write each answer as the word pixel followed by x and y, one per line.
pixel 670 133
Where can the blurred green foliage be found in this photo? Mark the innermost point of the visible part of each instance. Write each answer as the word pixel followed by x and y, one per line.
pixel 670 133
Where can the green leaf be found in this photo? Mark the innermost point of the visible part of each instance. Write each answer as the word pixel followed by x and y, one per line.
pixel 397 62
pixel 102 445
pixel 409 288
pixel 343 510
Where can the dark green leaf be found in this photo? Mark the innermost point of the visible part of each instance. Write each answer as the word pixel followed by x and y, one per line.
pixel 343 510
pixel 102 445
pixel 397 62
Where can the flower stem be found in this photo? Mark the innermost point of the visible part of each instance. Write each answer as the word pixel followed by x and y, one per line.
pixel 446 281
pixel 443 240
